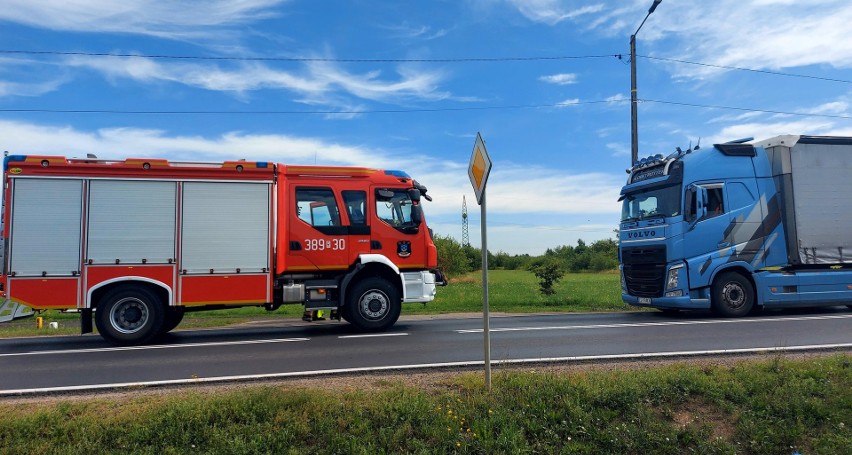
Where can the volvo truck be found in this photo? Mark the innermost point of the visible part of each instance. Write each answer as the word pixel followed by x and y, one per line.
pixel 739 226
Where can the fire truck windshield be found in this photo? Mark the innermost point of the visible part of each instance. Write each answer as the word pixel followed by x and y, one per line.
pixel 395 207
pixel 650 203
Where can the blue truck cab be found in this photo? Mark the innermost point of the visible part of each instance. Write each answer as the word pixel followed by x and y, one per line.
pixel 740 225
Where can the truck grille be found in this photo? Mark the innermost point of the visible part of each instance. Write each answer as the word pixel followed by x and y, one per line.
pixel 644 270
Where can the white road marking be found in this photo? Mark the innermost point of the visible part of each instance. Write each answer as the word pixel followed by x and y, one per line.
pixel 656 324
pixel 156 346
pixel 82 388
pixel 375 335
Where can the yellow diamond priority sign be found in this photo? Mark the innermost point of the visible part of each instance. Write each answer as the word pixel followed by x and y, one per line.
pixel 480 167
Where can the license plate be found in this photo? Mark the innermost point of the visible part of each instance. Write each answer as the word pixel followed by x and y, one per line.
pixel 645 300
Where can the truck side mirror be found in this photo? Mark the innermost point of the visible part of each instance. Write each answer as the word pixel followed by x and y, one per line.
pixel 416 215
pixel 414 194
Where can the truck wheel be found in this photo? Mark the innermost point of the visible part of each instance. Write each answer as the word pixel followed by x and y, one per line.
pixel 374 305
pixel 733 295
pixel 130 315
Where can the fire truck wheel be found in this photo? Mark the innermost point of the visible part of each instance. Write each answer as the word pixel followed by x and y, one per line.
pixel 130 315
pixel 374 305
pixel 732 295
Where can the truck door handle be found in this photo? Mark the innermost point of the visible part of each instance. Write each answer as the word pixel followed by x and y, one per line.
pixel 724 244
pixel 295 245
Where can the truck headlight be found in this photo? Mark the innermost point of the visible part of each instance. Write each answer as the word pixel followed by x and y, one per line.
pixel 672 280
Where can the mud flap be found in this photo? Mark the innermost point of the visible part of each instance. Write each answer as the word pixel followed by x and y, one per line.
pixel 85 321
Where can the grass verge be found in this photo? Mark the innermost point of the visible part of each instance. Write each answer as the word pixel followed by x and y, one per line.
pixel 775 406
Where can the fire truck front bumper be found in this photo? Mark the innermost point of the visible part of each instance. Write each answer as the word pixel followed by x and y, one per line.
pixel 419 287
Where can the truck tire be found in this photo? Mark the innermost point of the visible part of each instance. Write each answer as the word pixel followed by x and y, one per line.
pixel 130 315
pixel 732 295
pixel 374 305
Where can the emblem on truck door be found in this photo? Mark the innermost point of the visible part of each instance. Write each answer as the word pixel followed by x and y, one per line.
pixel 403 249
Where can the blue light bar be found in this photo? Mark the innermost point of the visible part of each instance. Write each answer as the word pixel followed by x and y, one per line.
pixel 396 173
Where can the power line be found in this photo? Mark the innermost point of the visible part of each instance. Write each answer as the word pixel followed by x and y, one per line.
pixel 407 111
pixel 312 59
pixel 410 60
pixel 774 73
pixel 371 111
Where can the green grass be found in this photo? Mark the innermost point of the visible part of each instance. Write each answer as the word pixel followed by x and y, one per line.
pixel 510 291
pixel 776 406
pixel 516 291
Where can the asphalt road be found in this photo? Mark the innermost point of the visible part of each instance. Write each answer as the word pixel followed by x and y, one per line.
pixel 73 363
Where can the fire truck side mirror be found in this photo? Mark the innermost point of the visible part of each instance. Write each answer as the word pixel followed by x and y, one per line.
pixel 416 215
pixel 414 194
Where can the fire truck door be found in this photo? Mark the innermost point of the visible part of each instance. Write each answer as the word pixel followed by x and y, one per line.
pixel 318 238
pixel 396 232
pixel 357 212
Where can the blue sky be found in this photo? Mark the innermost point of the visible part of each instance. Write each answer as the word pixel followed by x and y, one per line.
pixel 539 79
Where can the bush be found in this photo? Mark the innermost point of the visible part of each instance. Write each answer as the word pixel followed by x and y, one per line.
pixel 453 260
pixel 548 271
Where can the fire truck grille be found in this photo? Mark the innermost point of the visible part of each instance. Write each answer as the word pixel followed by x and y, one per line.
pixel 644 270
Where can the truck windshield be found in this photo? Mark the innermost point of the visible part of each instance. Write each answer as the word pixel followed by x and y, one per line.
pixel 395 207
pixel 655 202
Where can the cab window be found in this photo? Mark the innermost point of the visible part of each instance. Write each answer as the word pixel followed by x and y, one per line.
pixel 317 207
pixel 356 207
pixel 715 202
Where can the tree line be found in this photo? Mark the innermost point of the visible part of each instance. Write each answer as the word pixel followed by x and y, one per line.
pixel 456 259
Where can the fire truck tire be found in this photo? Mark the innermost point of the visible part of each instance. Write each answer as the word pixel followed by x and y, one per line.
pixel 130 315
pixel 374 305
pixel 732 295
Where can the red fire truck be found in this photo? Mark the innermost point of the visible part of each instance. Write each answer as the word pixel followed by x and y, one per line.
pixel 135 244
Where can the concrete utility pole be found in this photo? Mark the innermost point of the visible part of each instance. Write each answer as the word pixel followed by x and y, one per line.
pixel 634 133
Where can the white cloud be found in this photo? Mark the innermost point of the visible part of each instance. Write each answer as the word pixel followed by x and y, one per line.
pixel 618 149
pixel 730 118
pixel 178 20
pixel 569 102
pixel 560 79
pixel 422 32
pixel 319 84
pixel 29 89
pixel 831 108
pixel 617 98
pixel 120 143
pixel 553 11
pixel 766 34
pixel 766 130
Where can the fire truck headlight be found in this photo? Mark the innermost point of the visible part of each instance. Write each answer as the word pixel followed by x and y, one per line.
pixel 673 277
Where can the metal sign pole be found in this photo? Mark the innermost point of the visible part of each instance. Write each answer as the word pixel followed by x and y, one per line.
pixel 486 318
pixel 477 171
